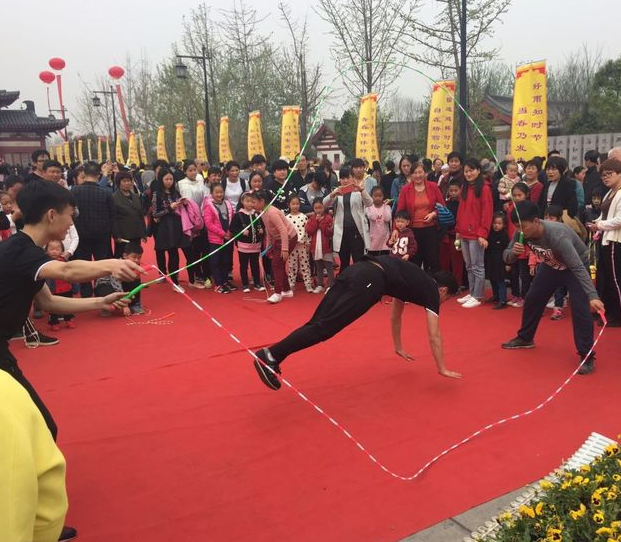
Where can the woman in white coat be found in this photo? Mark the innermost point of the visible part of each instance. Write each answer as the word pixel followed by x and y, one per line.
pixel 351 228
pixel 609 224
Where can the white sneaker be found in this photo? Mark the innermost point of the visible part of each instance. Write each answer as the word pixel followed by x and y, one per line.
pixel 288 293
pixel 246 290
pixel 274 298
pixel 464 299
pixel 318 289
pixel 550 304
pixel 471 303
pixel 310 290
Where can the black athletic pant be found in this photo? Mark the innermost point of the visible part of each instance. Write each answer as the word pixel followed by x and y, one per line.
pixel 428 254
pixel 252 259
pixel 352 246
pixel 8 363
pixel 173 262
pixel 198 249
pixel 355 291
pixel 95 249
pixel 609 265
pixel 544 284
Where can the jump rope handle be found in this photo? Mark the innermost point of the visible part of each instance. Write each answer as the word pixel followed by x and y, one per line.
pixel 521 238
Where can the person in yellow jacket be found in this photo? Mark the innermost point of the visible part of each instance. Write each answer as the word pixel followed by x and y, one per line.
pixel 33 497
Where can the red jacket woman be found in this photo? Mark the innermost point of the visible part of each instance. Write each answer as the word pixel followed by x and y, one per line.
pixel 419 198
pixel 326 226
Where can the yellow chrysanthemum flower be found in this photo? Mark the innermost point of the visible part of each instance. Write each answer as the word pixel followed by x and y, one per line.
pixel 585 468
pixel 544 484
pixel 566 485
pixel 598 517
pixel 577 480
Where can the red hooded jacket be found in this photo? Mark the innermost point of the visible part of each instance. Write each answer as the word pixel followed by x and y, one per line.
pixel 474 216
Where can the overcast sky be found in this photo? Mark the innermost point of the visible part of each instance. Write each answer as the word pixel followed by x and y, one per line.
pixel 92 36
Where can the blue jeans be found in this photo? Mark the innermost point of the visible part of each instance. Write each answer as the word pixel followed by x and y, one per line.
pixel 559 297
pixel 499 289
pixel 474 258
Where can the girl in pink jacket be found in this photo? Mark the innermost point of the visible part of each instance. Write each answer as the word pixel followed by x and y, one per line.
pixel 217 214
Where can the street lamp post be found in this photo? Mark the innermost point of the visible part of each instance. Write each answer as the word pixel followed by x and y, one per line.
pixel 182 72
pixel 97 103
pixel 463 82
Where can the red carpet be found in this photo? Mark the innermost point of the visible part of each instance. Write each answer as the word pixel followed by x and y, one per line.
pixel 169 434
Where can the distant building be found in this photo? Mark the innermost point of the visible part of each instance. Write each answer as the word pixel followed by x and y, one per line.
pixel 326 145
pixel 394 138
pixel 500 112
pixel 21 130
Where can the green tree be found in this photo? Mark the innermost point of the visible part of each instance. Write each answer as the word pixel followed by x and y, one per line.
pixel 345 130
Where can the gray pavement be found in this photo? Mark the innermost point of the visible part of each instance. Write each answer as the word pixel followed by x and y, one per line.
pixel 455 529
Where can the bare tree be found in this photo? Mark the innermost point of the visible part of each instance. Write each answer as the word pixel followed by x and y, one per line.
pixel 370 38
pixel 438 40
pixel 307 78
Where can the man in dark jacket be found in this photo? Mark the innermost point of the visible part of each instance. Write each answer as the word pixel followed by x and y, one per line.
pixel 94 221
pixel 592 180
pixel 277 186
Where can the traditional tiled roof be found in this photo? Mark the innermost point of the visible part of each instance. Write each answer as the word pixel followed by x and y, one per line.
pixel 25 120
pixel 7 97
pixel 502 106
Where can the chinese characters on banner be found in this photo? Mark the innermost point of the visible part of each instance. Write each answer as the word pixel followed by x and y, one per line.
pixel 132 149
pixel 224 144
pixel 67 153
pixel 143 151
pixel 201 152
pixel 441 120
pixel 80 152
pixel 180 155
pixel 51 153
pixel 161 144
pixel 290 132
pixel 529 126
pixel 59 153
pixel 120 159
pixel 255 139
pixel 366 137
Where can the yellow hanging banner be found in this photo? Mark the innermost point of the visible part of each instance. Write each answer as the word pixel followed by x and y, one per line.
pixel 120 160
pixel 88 149
pixel 75 150
pixel 290 132
pixel 143 151
pixel 132 150
pixel 179 143
pixel 51 152
pixel 529 124
pixel 99 153
pixel 161 144
pixel 201 152
pixel 80 153
pixel 59 153
pixel 441 120
pixel 224 144
pixel 108 153
pixel 67 153
pixel 255 138
pixel 366 137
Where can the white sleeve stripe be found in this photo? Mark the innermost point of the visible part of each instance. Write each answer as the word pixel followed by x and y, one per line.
pixel 36 277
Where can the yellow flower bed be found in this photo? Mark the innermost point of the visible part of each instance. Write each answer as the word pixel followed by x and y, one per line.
pixel 582 505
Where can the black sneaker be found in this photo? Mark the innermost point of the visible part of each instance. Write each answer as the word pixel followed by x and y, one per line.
pixel 231 286
pixel 498 306
pixel 267 377
pixel 68 533
pixel 224 289
pixel 518 342
pixel 38 339
pixel 588 366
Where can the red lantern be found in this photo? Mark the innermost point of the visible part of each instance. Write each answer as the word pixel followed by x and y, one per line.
pixel 47 77
pixel 116 72
pixel 57 63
